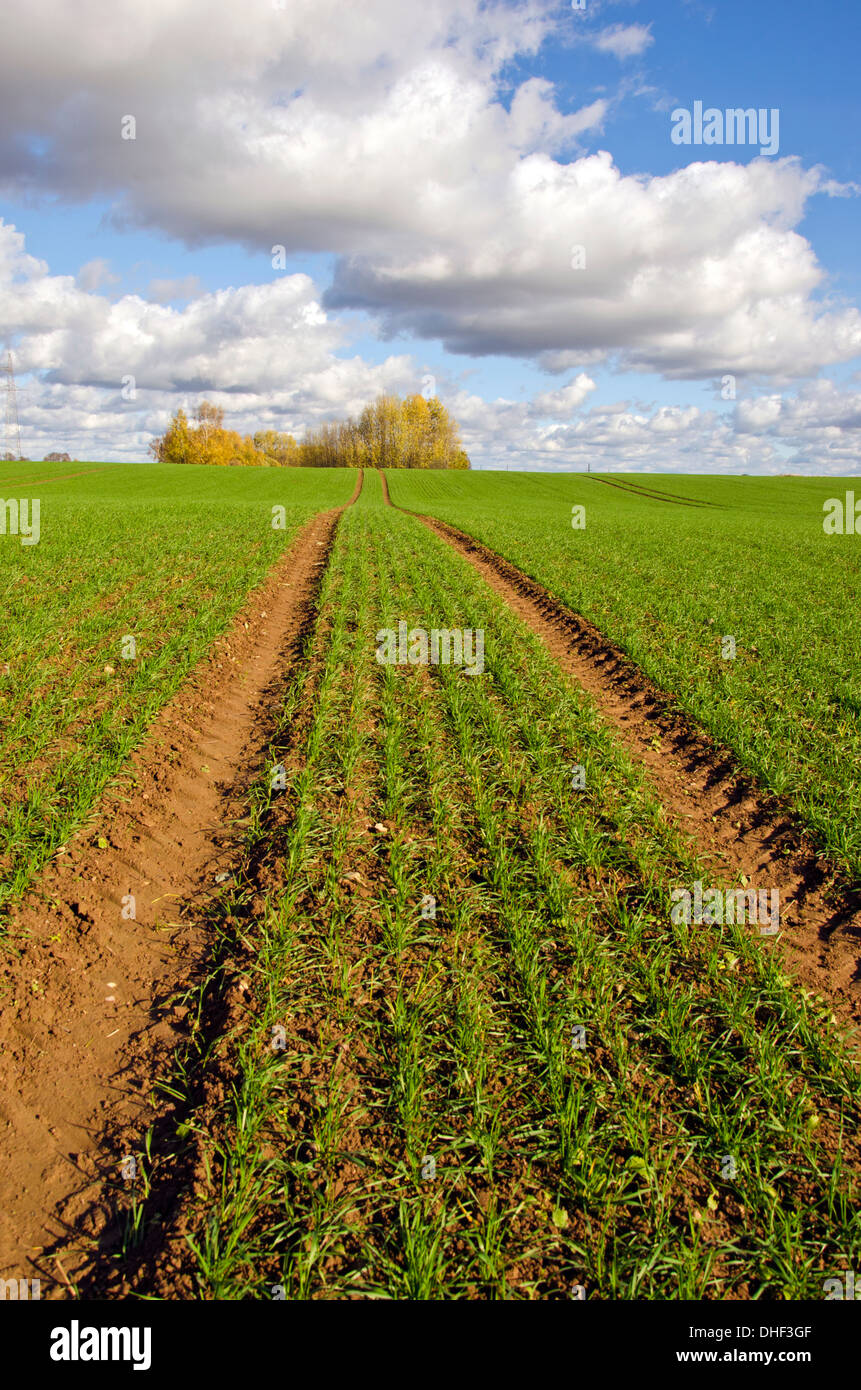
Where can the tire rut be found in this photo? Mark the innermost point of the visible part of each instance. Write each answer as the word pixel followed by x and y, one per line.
pixel 730 820
pixel 634 490
pixel 113 929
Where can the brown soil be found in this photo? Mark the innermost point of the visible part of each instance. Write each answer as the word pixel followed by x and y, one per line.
pixel 89 996
pixel 324 1048
pixel 731 821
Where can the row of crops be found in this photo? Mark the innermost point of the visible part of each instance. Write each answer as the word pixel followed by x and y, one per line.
pixel 672 567
pixel 482 1059
pixel 163 556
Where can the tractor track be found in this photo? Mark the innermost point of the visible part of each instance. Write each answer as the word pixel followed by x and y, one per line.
pixel 730 820
pixel 90 1019
pixel 58 478
pixel 638 490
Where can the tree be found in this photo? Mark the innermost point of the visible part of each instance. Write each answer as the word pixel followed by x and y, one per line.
pixel 206 442
pixel 209 419
pixel 174 446
pixel 390 433
pixel 280 450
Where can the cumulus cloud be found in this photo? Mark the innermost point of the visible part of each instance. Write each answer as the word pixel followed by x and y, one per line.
pixel 536 123
pixel 269 353
pixel 245 338
pixel 461 208
pixel 800 437
pixel 384 133
pixel 566 399
pixel 821 422
pixel 689 274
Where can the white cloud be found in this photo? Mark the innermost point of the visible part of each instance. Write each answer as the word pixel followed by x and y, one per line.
pixel 756 415
pixel 821 422
pixel 817 429
pixel 380 133
pixel 268 353
pixel 536 123
pixel 566 399
pixel 388 135
pixel 690 274
pixel 624 40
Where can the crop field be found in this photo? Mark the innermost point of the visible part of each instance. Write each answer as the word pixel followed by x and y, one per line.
pixel 667 567
pixel 439 1029
pixel 162 555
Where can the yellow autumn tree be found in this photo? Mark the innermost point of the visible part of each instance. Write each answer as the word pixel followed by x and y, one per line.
pixel 207 442
pixel 416 432
pixel 280 450
pixel 174 446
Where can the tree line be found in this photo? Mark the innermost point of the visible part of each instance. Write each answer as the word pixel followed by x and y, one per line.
pixel 416 432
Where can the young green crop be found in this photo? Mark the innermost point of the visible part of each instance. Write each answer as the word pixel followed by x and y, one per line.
pixel 434 922
pixel 668 576
pixel 163 555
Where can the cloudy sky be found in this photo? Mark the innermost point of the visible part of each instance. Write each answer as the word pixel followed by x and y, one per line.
pixel 288 206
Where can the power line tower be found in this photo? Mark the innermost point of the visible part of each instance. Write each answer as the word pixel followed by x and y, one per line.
pixel 13 429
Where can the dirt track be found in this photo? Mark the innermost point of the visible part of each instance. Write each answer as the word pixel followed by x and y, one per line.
pixel 89 1013
pixel 730 820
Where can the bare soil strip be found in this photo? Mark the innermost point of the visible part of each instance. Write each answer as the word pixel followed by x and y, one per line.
pixel 730 820
pixel 88 1017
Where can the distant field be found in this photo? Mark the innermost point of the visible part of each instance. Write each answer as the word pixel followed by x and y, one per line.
pixel 163 554
pixel 668 579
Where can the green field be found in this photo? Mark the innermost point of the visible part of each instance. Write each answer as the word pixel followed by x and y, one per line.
pixel 536 1088
pixel 165 555
pixel 481 1059
pixel 665 581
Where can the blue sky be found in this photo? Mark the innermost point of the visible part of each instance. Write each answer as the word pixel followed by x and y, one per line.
pixel 429 169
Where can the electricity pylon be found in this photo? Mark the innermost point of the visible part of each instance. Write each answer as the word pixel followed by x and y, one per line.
pixel 13 429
